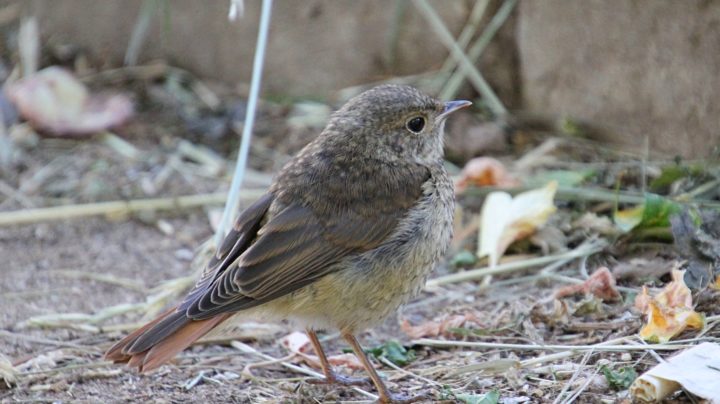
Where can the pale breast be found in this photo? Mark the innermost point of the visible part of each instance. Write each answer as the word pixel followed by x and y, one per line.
pixel 369 287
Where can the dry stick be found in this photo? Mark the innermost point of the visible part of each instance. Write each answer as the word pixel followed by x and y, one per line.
pixel 474 274
pixel 551 347
pixel 453 84
pixel 248 349
pixel 100 277
pixel 475 77
pixel 468 31
pixel 10 192
pixel 565 388
pixel 117 207
pixel 44 341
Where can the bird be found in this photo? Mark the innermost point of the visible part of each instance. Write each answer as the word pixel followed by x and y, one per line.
pixel 348 231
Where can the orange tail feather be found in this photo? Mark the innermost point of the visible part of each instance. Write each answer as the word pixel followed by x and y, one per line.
pixel 169 341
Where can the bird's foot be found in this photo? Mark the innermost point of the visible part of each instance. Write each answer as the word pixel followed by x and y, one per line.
pixel 335 378
pixel 394 398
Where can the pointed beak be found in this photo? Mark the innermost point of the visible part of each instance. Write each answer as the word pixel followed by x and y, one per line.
pixel 452 106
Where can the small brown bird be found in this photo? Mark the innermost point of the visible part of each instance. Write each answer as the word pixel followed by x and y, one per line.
pixel 349 230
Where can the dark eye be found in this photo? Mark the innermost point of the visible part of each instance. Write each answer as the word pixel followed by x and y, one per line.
pixel 416 125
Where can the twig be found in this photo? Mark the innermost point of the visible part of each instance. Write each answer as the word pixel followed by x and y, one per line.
pixel 120 145
pixel 116 207
pixel 233 199
pixel 475 77
pixel 591 194
pixel 453 84
pixel 565 388
pixel 140 30
pixel 248 349
pixel 11 192
pixel 466 35
pixel 528 347
pixel 474 274
pixel 100 277
pixel 44 341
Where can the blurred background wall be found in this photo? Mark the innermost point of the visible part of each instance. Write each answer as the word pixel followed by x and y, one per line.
pixel 637 67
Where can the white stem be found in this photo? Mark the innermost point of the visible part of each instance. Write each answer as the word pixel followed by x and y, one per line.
pixel 231 205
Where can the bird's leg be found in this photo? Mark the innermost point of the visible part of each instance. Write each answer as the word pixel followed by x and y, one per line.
pixel 386 396
pixel 330 376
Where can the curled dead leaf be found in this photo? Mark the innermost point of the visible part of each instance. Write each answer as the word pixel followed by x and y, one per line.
pixel 439 326
pixel 483 172
pixel 670 312
pixel 299 343
pixel 55 101
pixel 505 219
pixel 600 284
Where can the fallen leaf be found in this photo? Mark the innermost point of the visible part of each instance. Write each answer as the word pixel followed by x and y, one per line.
pixel 53 100
pixel 437 327
pixel 600 284
pixel 8 373
pixel 295 342
pixel 393 351
pixel 619 379
pixel 483 172
pixel 491 397
pixel 505 219
pixel 346 359
pixel 670 312
pixel 696 370
pixel 298 343
pixel 654 212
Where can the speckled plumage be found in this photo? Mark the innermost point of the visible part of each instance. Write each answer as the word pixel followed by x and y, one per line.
pixel 349 230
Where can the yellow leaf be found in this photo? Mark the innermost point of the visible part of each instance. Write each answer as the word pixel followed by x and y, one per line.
pixel 670 312
pixel 505 219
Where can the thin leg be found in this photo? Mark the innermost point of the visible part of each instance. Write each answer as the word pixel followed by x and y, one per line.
pixel 385 395
pixel 330 375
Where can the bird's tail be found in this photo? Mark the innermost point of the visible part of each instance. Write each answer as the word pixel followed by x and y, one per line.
pixel 159 340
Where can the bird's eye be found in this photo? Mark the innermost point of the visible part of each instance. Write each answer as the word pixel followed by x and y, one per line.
pixel 415 125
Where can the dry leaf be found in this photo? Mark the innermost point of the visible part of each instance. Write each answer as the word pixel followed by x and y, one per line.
pixel 295 342
pixel 601 284
pixel 696 370
pixel 505 219
pixel 440 326
pixel 53 100
pixel 347 359
pixel 298 343
pixel 670 312
pixel 483 172
pixel 8 373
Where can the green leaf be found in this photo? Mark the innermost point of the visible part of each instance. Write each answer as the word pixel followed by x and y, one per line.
pixel 655 212
pixel 620 379
pixel 394 352
pixel 672 173
pixel 491 397
pixel 463 259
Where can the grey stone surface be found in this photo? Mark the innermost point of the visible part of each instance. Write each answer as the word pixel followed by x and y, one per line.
pixel 639 67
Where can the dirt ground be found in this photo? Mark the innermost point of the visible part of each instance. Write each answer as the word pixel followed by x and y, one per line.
pixel 59 279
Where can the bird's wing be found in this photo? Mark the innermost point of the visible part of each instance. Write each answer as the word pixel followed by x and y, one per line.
pixel 260 261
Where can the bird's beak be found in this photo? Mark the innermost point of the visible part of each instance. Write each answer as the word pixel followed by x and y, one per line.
pixel 452 106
